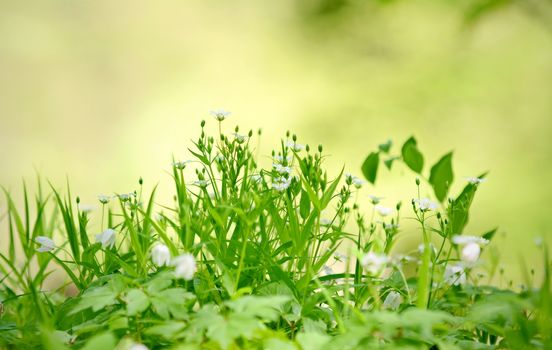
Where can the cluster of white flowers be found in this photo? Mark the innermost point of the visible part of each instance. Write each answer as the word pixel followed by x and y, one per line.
pixel 281 169
pixel 220 114
pixel 374 263
pixel 106 238
pixel 297 147
pixel 426 204
pixel 393 300
pixel 181 164
pixel 383 211
pixel 471 247
pixel 281 183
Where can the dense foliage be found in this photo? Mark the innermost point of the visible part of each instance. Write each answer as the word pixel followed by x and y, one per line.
pixel 256 258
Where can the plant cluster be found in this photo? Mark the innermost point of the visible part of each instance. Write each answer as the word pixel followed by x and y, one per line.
pixel 253 258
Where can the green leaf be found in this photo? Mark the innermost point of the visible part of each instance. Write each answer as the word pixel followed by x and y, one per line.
pixel 100 341
pixel 370 167
pixel 137 302
pixel 412 157
pixel 304 205
pixel 441 176
pixel 312 340
pixel 389 162
pixel 489 235
pixel 385 147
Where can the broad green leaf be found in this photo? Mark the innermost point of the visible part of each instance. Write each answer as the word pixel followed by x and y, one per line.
pixel 412 157
pixel 441 176
pixel 304 205
pixel 100 341
pixel 312 340
pixel 385 147
pixel 370 167
pixel 137 302
pixel 490 234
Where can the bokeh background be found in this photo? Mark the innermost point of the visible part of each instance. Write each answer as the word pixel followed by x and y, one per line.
pixel 103 92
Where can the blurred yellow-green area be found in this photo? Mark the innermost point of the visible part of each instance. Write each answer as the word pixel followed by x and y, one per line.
pixel 103 92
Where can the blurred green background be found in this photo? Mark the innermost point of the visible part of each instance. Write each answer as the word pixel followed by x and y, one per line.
pixel 106 91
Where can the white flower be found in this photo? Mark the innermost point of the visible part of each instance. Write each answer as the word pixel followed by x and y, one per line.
pixel 426 204
pixel 257 178
pixel 393 300
pixel 281 169
pixel 421 248
pixel 475 180
pixel 46 244
pixel 201 183
pixel 383 211
pixel 104 199
pixel 470 253
pixel 325 222
pixel 185 266
pixel 281 183
pixel 125 196
pixel 373 263
pixel 357 182
pixel 340 257
pixel 239 138
pixel 464 240
pixel 160 255
pixel 181 164
pixel 455 275
pixel 86 208
pixel 281 159
pixel 297 147
pixel 220 114
pixel 391 226
pixel 106 238
pixel 138 346
pixel 375 199
pixel 328 270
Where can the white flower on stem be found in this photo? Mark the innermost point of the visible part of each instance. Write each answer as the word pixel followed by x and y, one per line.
pixel 281 159
pixel 375 199
pixel 181 164
pixel 46 244
pixel 201 183
pixel 475 180
pixel 257 178
pixel 373 263
pixel 185 266
pixel 281 183
pixel 393 300
pixel 426 204
pixel 240 138
pixel 328 270
pixel 220 114
pixel 104 199
pixel 126 196
pixel 383 211
pixel 138 346
pixel 297 147
pixel 455 275
pixel 160 255
pixel 464 240
pixel 86 208
pixel 353 180
pixel 325 222
pixel 106 238
pixel 281 169
pixel 470 253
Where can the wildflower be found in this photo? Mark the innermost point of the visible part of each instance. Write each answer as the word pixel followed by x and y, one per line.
pixel 383 211
pixel 393 300
pixel 328 270
pixel 297 147
pixel 421 248
pixel 464 240
pixel 390 226
pixel 475 180
pixel 239 138
pixel 375 199
pixel 126 196
pixel 281 159
pixel 281 183
pixel 257 178
pixel 455 275
pixel 353 180
pixel 220 114
pixel 86 208
pixel 426 204
pixel 201 183
pixel 470 253
pixel 138 346
pixel 373 263
pixel 181 164
pixel 106 238
pixel 340 257
pixel 281 169
pixel 160 255
pixel 325 222
pixel 185 266
pixel 103 198
pixel 46 244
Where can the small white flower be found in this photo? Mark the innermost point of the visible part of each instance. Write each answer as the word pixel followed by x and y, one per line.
pixel 220 114
pixel 160 255
pixel 106 238
pixel 138 346
pixel 464 240
pixel 325 222
pixel 86 208
pixel 375 199
pixel 421 248
pixel 239 138
pixel 181 164
pixel 297 147
pixel 470 253
pixel 46 244
pixel 281 183
pixel 383 211
pixel 185 266
pixel 340 257
pixel 393 300
pixel 201 183
pixel 373 263
pixel 391 226
pixel 426 204
pixel 104 199
pixel 475 180
pixel 281 169
pixel 281 159
pixel 126 196
pixel 455 275
pixel 328 270
pixel 257 178
pixel 355 181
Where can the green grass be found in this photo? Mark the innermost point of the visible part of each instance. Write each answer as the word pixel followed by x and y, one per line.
pixel 261 258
